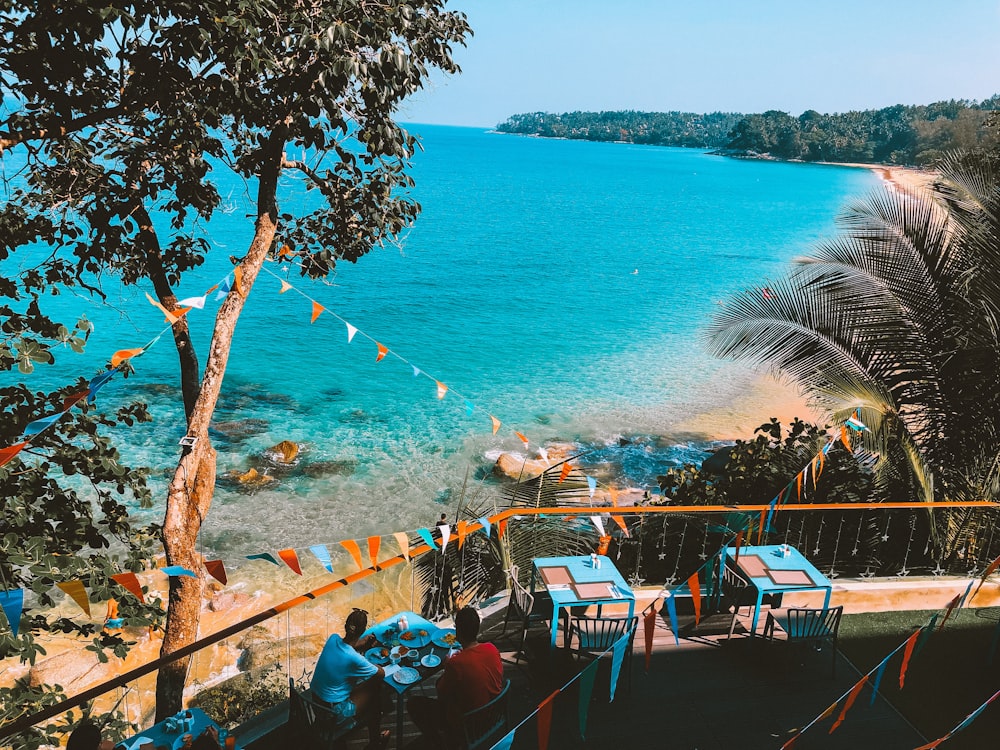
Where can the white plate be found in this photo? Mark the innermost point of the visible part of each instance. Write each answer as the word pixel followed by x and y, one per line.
pixel 431 660
pixel 406 676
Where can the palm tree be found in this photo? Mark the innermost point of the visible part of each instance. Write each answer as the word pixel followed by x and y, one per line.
pixel 898 316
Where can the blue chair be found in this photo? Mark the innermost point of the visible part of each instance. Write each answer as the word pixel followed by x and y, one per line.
pixel 488 723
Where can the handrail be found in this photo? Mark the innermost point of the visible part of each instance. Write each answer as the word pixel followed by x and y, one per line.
pixel 28 721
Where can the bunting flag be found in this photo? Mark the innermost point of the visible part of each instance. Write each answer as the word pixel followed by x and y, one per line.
pixel 781 495
pixel 855 423
pixel 587 677
pixel 695 586
pixel 351 330
pixel 445 530
pixel 820 462
pixel 78 593
pixel 621 523
pixel 617 657
pixel 925 636
pixel 672 614
pixel 462 531
pixel 470 408
pixel 441 389
pixel 972 717
pixel 290 559
pixel 911 642
pixel 263 556
pixel 382 351
pixel 851 697
pixel 956 604
pixel 238 280
pixel 317 310
pixel 98 382
pixel 501 528
pixel 613 494
pixel 33 428
pixel 739 543
pixel 760 526
pixel 404 543
pixel 544 455
pixel 845 438
pixel 798 486
pixel 12 603
pixel 285 286
pixel 522 438
pixel 879 672
pixel 374 543
pixel 506 741
pixel 544 711
pixel 648 628
pixel 598 524
pixel 416 371
pixel 175 571
pixel 990 569
pixel 486 525
pixel 123 355
pixel 933 745
pixel 72 399
pixel 592 486
pixel 496 423
pixel 564 472
pixel 171 318
pixel 321 553
pixel 224 286
pixel 217 569
pixel 285 250
pixel 352 546
pixel 770 514
pixel 130 583
pixel 425 534
pixel 197 303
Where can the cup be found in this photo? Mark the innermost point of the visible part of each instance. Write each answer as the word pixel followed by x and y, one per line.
pixel 394 656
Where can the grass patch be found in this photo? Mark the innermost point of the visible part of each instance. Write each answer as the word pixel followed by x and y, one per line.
pixel 945 681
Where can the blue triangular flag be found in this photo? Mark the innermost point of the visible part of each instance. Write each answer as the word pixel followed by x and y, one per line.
pixel 263 556
pixel 12 603
pixel 38 425
pixel 323 555
pixel 506 741
pixel 770 511
pixel 416 370
pixel 98 382
pixel 470 407
pixel 425 534
pixel 878 680
pixel 224 286
pixel 177 570
pixel 592 483
pixel 672 613
pixel 617 657
pixel 587 678
pixel 486 524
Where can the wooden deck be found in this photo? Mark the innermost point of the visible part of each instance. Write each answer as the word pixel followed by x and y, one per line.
pixel 705 694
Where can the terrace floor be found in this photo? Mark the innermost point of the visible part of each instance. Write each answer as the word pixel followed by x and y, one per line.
pixel 705 694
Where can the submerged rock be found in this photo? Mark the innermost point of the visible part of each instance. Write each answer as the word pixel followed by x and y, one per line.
pixel 265 653
pixel 284 452
pixel 250 480
pixel 238 429
pixel 320 469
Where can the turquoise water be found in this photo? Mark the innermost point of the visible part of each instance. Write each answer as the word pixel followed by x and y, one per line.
pixel 561 286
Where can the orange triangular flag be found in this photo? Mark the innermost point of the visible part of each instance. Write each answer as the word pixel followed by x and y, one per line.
pixel 290 558
pixel 6 454
pixel 76 590
pixel 566 469
pixel 316 312
pixel 990 569
pixel 441 389
pixel 760 529
pixel 238 280
pixel 522 438
pixel 739 543
pixel 501 528
pixel 352 546
pixel 217 570
pixel 374 542
pixel 798 485
pixel 613 492
pixel 695 587
pixel 130 583
pixel 285 250
pixel 123 354
pixel 851 697
pixel 462 530
pixel 621 523
pixel 820 460
pixel 844 437
pixel 404 543
pixel 911 642
pixel 171 318
pixel 285 286
pixel 382 351
pixel 496 424
pixel 829 711
pixel 544 712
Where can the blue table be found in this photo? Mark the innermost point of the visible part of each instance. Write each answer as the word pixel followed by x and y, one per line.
pixel 581 585
pixel 772 572
pixel 160 737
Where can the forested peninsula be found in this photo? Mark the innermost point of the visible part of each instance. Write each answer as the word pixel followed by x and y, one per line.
pixel 902 134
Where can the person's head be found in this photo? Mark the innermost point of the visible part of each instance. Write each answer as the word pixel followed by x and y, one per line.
pixel 467 625
pixel 355 624
pixel 86 736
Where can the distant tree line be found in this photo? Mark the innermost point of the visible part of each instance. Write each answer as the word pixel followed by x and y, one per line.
pixel 901 134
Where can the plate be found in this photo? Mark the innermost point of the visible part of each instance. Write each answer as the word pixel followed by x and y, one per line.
pixel 414 638
pixel 406 675
pixel 431 660
pixel 374 655
pixel 413 654
pixel 439 639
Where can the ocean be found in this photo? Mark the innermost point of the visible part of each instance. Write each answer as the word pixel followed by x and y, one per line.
pixel 560 286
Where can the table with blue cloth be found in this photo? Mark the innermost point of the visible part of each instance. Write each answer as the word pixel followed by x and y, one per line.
pixel 170 732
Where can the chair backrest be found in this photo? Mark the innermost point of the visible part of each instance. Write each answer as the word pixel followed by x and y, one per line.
pixel 812 624
pixel 309 720
pixel 733 589
pixel 600 633
pixel 521 598
pixel 483 723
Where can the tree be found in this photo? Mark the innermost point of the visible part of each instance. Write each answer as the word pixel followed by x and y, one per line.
pixel 898 317
pixel 125 110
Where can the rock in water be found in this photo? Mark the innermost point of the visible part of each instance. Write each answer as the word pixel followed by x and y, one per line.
pixel 284 452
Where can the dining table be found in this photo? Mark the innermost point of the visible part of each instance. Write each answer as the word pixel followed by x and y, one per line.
pixel 432 644
pixel 581 580
pixel 171 732
pixel 777 569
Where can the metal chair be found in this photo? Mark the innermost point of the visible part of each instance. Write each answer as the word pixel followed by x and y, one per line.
pixel 313 724
pixel 595 635
pixel 732 595
pixel 488 723
pixel 525 608
pixel 807 627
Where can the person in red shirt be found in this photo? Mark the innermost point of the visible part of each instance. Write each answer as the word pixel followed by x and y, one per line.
pixel 472 678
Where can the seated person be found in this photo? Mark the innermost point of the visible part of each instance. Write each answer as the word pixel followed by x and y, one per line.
pixel 348 683
pixel 87 736
pixel 472 678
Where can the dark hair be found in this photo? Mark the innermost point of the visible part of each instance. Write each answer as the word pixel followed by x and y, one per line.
pixel 356 622
pixel 86 736
pixel 205 741
pixel 466 624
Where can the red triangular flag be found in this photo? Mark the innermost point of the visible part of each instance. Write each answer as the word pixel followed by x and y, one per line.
pixel 352 546
pixel 911 642
pixel 501 528
pixel 217 570
pixel 695 587
pixel 382 351
pixel 990 569
pixel 851 697
pixel 739 543
pixel 374 542
pixel 129 582
pixel 6 454
pixel 317 311
pixel 290 559
pixel 760 529
pixel 545 721
pixel 73 399
pixel 648 626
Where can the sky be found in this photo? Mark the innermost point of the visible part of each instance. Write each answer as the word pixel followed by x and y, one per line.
pixel 713 55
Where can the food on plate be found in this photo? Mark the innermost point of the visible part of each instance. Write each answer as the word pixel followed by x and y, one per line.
pixel 449 638
pixel 383 653
pixel 407 636
pixel 422 633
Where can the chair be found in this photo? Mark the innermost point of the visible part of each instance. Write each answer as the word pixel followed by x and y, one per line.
pixel 313 724
pixel 595 635
pixel 525 607
pixel 486 724
pixel 807 626
pixel 732 595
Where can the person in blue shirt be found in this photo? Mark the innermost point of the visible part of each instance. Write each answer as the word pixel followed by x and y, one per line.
pixel 347 682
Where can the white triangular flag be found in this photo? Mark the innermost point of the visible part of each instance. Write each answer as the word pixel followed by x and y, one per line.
pixel 596 520
pixel 445 530
pixel 351 330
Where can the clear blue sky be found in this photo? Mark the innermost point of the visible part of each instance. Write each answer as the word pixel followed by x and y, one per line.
pixel 714 55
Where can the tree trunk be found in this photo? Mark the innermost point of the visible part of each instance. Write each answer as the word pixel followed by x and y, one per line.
pixel 190 493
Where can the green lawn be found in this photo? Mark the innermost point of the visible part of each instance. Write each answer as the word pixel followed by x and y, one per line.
pixel 945 681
